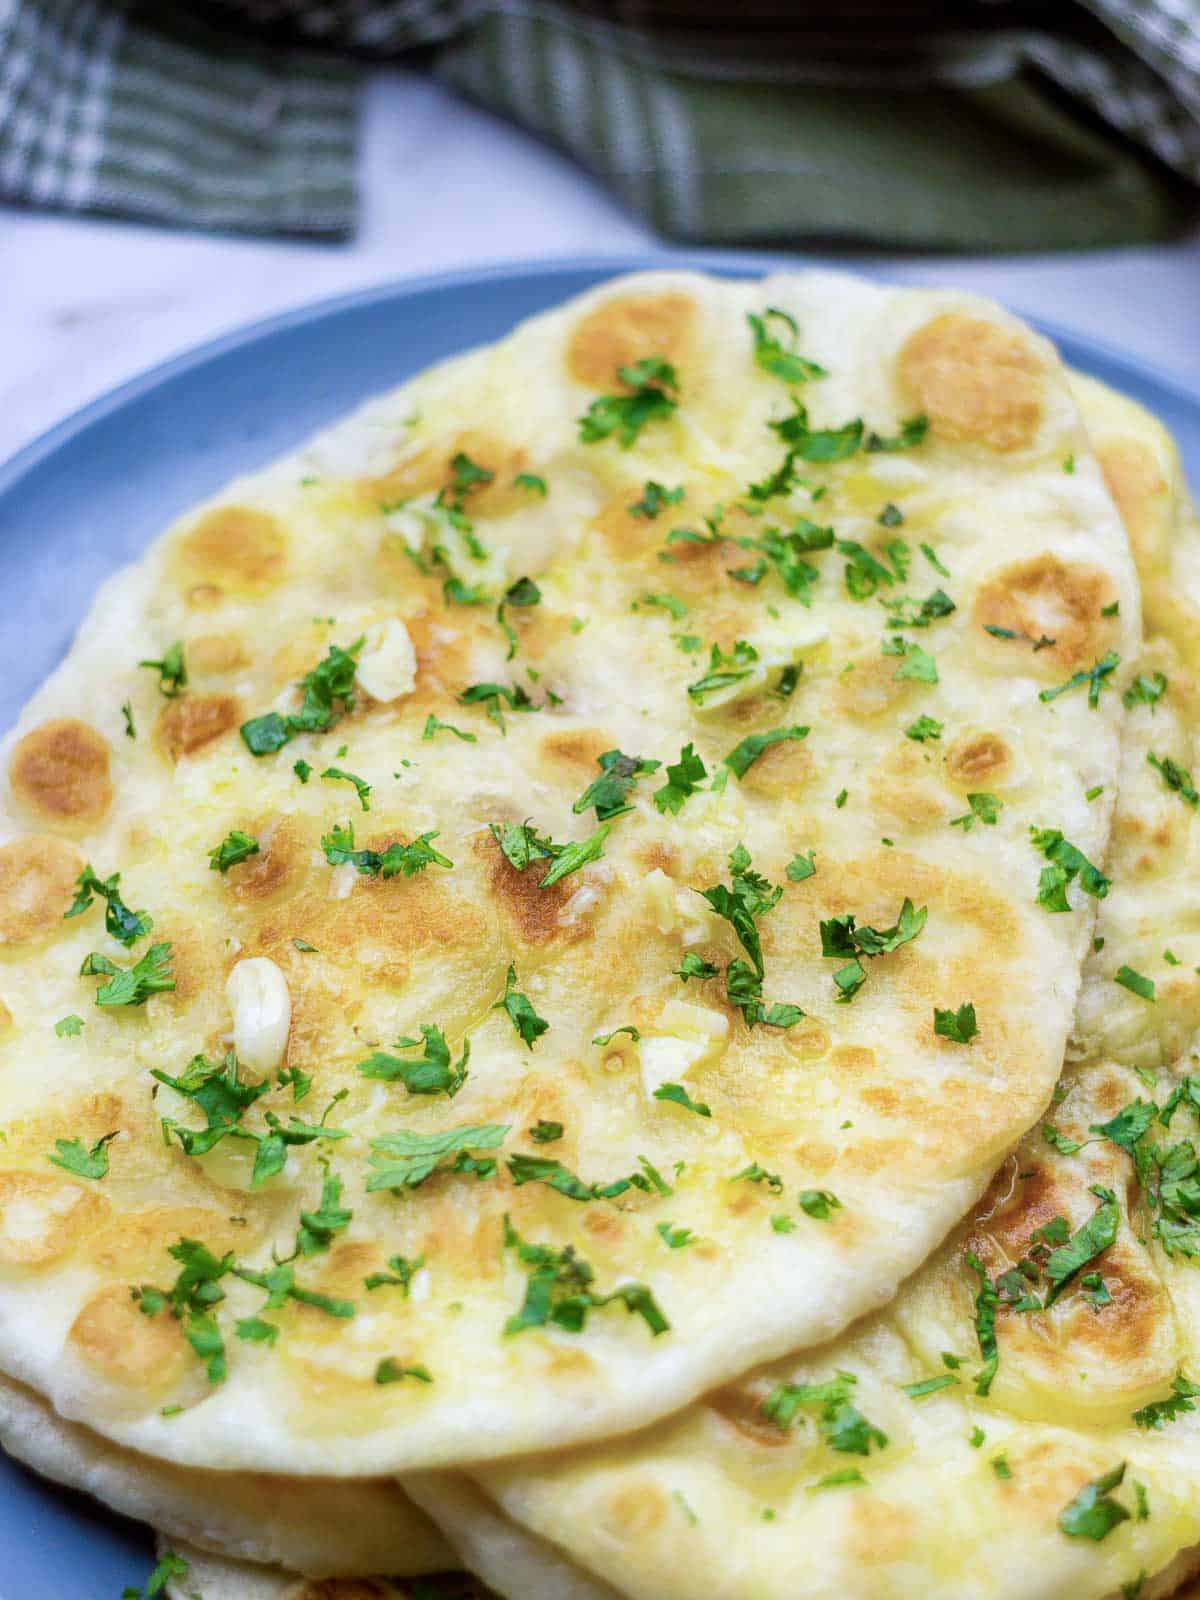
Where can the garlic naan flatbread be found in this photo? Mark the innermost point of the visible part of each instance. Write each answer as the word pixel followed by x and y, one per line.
pixel 700 697
pixel 319 1526
pixel 1023 1420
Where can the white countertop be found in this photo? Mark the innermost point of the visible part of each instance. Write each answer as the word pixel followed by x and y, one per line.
pixel 87 303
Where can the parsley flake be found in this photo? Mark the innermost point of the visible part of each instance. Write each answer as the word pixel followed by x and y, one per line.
pixel 653 385
pixel 959 1026
pixel 72 1156
pixel 428 1073
pixel 520 1011
pixel 235 847
pixel 172 671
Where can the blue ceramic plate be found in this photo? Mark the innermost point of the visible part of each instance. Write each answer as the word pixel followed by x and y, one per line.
pixel 89 495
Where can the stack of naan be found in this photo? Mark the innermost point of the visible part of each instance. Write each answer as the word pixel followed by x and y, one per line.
pixel 598 975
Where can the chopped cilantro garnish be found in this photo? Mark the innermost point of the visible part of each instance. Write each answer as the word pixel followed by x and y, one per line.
pixel 864 573
pixel 172 671
pixel 235 847
pixel 800 867
pixel 930 555
pixel 960 1025
pixel 389 1370
pixel 635 1034
pixel 891 516
pixel 747 898
pixel 912 432
pixel 1095 677
pixel 1094 1513
pixel 986 1303
pixel 362 789
pixel 457 593
pixel 328 695
pixel 918 1391
pixel 169 1566
pixel 684 778
pixel 404 1159
pixel 545 1169
pixel 544 1132
pixel 756 1174
pixel 842 796
pixel 924 728
pixel 674 1238
pixel 530 481
pixel 397 860
pixel 819 1204
pixel 69 1027
pixel 126 926
pixel 985 808
pixel 654 497
pixel 400 1275
pixel 917 664
pixel 1135 982
pixel 191 1299
pixel 772 355
pixel 693 966
pixel 842 939
pixel 559 1290
pixel 1146 689
pixel 1067 864
pixel 522 594
pixel 1000 1466
pixel 1176 778
pixel 653 386
pixel 676 1093
pixel 1179 1401
pixel 724 670
pixel 428 1073
pixel 434 725
pixel 520 1010
pixel 817 445
pixel 1059 1141
pixel 302 770
pixel 570 857
pixel 131 986
pixel 665 602
pixel 744 754
pixel 127 714
pixel 841 1425
pixel 72 1156
pixel 493 697
pixel 609 793
pixel 907 612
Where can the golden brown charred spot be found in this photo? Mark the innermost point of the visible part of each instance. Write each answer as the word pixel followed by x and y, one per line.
pixel 134 1246
pixel 535 913
pixel 119 1343
pixel 194 720
pixel 1014 1207
pixel 1136 483
pixel 740 1407
pixel 783 769
pixel 432 468
pixel 37 876
pixel 882 1533
pixel 443 650
pixel 235 548
pixel 634 1509
pixel 59 771
pixel 279 868
pixel 210 655
pixel 976 381
pixel 628 329
pixel 43 1217
pixel 977 758
pixel 871 688
pixel 625 533
pixel 574 753
pixel 1047 598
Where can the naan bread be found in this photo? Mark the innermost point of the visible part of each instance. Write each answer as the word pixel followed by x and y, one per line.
pixel 841 1145
pixel 215 1577
pixel 318 1526
pixel 975 1494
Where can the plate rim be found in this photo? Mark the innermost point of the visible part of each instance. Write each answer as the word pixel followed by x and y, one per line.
pixel 37 450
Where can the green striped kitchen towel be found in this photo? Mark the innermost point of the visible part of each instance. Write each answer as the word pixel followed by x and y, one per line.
pixel 983 124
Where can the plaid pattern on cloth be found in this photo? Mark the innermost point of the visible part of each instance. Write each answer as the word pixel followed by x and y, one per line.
pixel 987 124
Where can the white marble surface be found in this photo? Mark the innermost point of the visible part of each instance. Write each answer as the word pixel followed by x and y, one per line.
pixel 85 303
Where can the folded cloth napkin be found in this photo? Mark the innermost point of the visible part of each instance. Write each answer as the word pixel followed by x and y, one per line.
pixel 982 124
